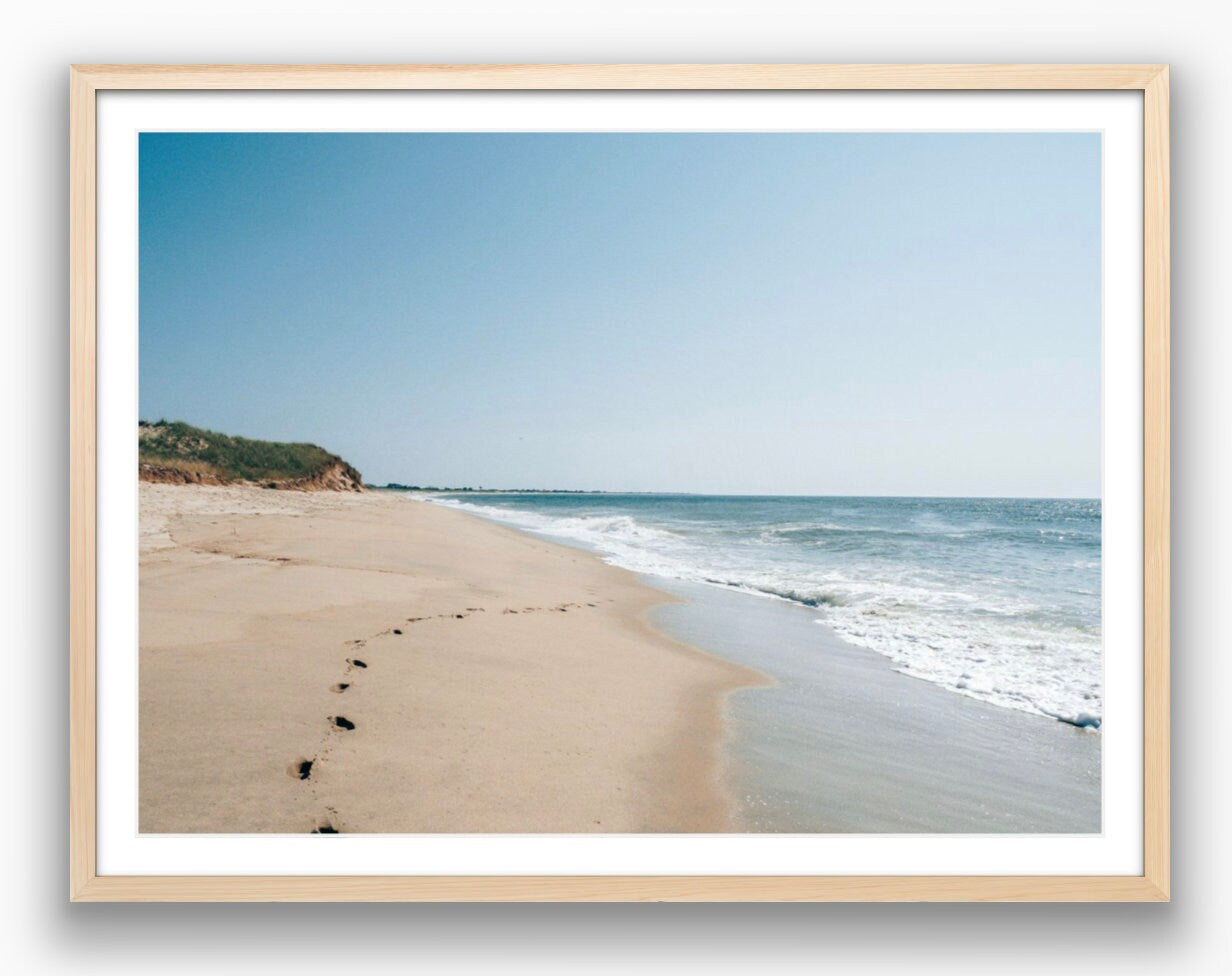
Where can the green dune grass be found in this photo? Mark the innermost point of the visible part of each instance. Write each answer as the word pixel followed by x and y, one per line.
pixel 177 446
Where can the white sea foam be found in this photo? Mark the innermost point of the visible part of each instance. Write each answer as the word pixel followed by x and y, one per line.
pixel 990 644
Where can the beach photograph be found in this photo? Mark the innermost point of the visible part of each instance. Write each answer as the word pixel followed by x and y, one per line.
pixel 620 482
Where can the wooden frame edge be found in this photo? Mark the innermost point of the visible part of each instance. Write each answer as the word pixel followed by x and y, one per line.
pixel 85 885
pixel 634 888
pixel 694 77
pixel 82 470
pixel 1156 497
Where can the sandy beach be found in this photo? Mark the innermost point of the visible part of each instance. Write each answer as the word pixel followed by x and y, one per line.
pixel 365 663
pixel 373 663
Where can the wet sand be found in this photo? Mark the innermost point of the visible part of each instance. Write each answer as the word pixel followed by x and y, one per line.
pixel 372 664
pixel 842 742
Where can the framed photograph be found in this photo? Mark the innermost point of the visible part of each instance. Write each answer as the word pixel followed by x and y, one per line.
pixel 619 482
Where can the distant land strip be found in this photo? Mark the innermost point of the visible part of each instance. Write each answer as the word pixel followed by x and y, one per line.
pixel 394 486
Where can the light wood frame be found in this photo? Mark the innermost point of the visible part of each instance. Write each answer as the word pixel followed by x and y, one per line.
pixel 1151 79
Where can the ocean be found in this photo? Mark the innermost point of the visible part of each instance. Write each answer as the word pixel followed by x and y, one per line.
pixel 997 599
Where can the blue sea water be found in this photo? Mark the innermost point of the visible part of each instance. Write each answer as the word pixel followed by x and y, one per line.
pixel 998 599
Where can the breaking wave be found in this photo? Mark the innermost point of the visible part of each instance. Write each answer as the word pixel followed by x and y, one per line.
pixel 998 600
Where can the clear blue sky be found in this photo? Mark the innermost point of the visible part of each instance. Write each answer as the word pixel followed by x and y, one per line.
pixel 817 313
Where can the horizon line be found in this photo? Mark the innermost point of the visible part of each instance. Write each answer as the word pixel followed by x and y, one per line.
pixel 398 486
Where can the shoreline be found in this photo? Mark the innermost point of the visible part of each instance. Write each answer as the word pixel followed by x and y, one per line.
pixel 662 568
pixel 491 681
pixel 843 742
pixel 840 740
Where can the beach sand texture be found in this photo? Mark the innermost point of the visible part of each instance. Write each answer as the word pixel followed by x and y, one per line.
pixel 370 664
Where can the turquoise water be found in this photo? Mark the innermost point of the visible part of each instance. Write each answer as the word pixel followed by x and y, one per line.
pixel 996 599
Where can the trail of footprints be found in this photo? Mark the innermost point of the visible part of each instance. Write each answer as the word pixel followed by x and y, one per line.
pixel 301 769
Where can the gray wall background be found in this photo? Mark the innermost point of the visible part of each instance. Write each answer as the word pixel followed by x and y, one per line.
pixel 47 935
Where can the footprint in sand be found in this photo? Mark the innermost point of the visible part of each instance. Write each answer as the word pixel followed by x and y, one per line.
pixel 342 723
pixel 340 687
pixel 300 769
pixel 356 662
pixel 325 828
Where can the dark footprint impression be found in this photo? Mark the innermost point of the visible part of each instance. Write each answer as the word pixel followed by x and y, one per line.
pixel 356 662
pixel 300 769
pixel 325 829
pixel 340 687
pixel 342 723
